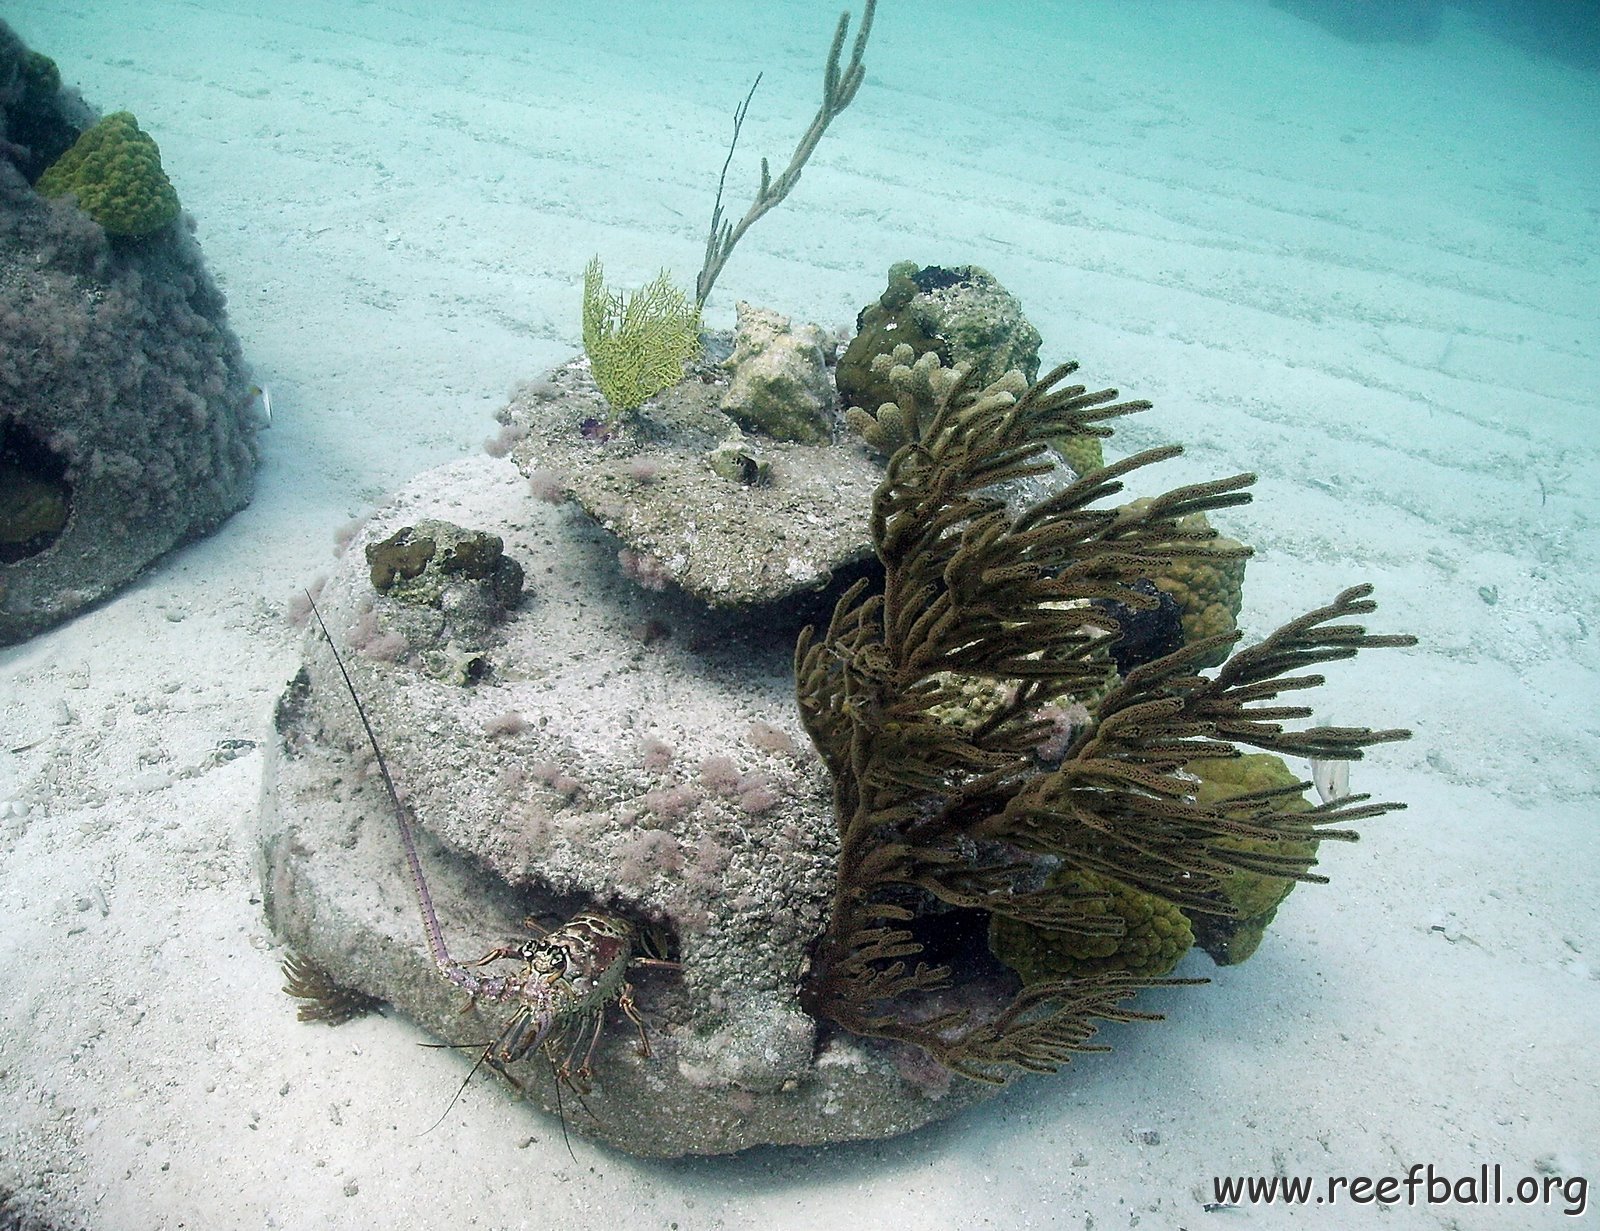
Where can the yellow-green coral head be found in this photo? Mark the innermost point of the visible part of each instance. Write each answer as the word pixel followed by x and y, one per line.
pixel 114 172
pixel 1153 938
pixel 1250 899
pixel 1209 589
pixel 1085 454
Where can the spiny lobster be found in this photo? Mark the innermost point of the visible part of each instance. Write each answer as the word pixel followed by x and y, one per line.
pixel 568 975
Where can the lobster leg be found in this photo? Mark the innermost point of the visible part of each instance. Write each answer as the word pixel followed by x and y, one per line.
pixel 522 1034
pixel 626 1004
pixel 495 954
pixel 593 1026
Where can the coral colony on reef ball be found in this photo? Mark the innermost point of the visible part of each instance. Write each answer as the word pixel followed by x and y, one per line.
pixel 1026 796
pixel 929 699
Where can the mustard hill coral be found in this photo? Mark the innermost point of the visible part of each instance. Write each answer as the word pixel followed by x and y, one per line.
pixel 1209 590
pixel 1150 938
pixel 114 172
pixel 1248 899
pixel 1085 454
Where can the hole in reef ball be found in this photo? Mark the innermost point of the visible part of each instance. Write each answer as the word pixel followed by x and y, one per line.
pixel 35 497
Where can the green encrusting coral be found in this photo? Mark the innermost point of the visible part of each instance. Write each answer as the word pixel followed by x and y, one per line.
pixel 637 345
pixel 114 171
pixel 936 814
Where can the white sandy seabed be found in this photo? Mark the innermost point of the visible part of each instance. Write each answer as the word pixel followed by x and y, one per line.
pixel 1365 272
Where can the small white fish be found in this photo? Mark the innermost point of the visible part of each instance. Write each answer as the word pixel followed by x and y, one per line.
pixel 264 394
pixel 1331 778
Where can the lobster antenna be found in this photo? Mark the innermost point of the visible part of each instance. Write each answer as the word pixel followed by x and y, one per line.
pixel 561 1111
pixel 430 919
pixel 477 1064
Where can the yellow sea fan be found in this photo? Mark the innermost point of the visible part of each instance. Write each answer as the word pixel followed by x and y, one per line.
pixel 637 345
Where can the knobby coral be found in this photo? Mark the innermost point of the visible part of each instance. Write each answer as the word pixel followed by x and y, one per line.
pixel 1250 898
pixel 934 815
pixel 114 171
pixel 1153 934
